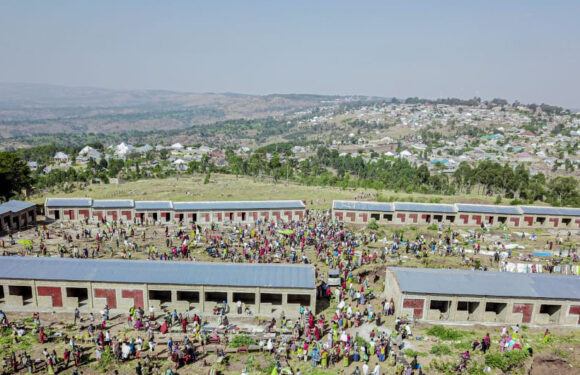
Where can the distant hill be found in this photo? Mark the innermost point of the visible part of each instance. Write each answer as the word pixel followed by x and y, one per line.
pixel 32 109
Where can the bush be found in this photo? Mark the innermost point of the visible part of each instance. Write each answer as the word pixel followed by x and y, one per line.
pixel 440 350
pixel 447 334
pixel 508 361
pixel 411 353
pixel 432 227
pixel 241 340
pixel 373 225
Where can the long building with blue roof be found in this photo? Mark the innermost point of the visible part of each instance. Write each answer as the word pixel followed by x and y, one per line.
pixel 66 283
pixel 348 212
pixel 459 214
pixel 202 213
pixel 484 296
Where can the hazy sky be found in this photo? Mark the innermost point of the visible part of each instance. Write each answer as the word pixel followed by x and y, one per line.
pixel 527 50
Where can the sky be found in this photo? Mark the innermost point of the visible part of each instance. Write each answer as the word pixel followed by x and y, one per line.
pixel 525 50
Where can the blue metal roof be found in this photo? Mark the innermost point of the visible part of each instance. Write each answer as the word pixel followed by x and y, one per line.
pixel 152 205
pixel 68 202
pixel 14 206
pixel 486 283
pixel 158 272
pixel 362 206
pixel 556 211
pixel 488 209
pixel 425 207
pixel 248 205
pixel 113 203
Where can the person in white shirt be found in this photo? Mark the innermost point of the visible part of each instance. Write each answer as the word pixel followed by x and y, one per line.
pixel 365 369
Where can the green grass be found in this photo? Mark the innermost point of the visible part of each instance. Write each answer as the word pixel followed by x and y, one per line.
pixel 440 350
pixel 241 340
pixel 411 353
pixel 446 334
pixel 228 188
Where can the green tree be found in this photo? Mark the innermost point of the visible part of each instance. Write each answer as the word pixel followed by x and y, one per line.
pixel 14 175
pixel 563 191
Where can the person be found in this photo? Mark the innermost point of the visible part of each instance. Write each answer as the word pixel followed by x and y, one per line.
pixel 139 369
pixel 77 315
pixel 365 368
pixel 239 303
pixel 356 371
pixel 414 363
pixel 377 370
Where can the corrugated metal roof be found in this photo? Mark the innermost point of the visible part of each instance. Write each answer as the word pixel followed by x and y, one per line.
pixel 14 206
pixel 113 203
pixel 153 205
pixel 68 202
pixel 424 207
pixel 362 206
pixel 248 205
pixel 488 209
pixel 487 283
pixel 556 211
pixel 158 272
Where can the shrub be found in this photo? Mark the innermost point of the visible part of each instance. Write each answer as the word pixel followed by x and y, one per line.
pixel 440 350
pixel 508 361
pixel 373 225
pixel 448 334
pixel 241 340
pixel 411 353
pixel 432 227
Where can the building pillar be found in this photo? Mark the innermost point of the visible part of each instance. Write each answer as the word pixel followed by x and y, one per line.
pixel 230 300
pixel 284 299
pixel 258 298
pixel 313 302
pixel 202 299
pixel 90 299
pixel 173 296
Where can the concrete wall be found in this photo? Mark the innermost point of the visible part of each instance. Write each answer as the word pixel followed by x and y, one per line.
pixel 13 221
pixel 159 216
pixel 24 295
pixel 460 219
pixel 499 310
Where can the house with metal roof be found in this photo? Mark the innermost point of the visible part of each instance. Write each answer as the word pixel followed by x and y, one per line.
pixel 423 213
pixel 459 214
pixel 68 208
pixel 238 211
pixel 476 214
pixel 15 215
pixel 66 283
pixel 550 217
pixel 113 209
pixel 167 211
pixel 484 296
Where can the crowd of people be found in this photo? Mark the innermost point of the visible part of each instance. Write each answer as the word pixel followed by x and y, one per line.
pixel 329 339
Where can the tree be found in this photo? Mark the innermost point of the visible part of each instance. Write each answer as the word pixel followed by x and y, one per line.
pixel 563 191
pixel 14 175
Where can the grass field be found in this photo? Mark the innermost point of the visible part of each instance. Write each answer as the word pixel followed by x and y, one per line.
pixel 230 188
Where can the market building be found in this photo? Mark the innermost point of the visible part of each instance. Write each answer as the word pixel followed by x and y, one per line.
pixel 16 215
pixel 61 284
pixel 468 215
pixel 74 209
pixel 484 296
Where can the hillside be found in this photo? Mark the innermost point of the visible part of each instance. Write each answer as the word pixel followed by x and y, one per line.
pixel 31 109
